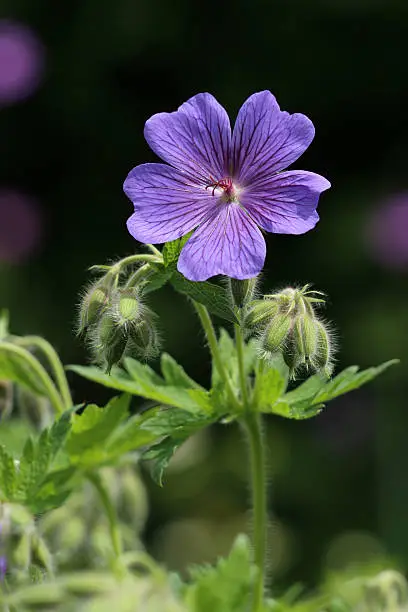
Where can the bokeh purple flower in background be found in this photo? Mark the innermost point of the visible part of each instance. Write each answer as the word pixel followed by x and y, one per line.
pixel 3 567
pixel 387 232
pixel 225 185
pixel 20 227
pixel 21 62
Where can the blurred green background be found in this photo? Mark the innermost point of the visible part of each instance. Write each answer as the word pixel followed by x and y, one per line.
pixel 77 82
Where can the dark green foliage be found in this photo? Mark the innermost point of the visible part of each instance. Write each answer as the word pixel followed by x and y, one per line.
pixel 35 479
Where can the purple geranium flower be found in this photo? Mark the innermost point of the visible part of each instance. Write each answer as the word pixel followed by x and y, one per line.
pixel 225 185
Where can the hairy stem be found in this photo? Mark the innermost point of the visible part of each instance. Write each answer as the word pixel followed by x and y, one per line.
pixel 154 250
pixel 140 257
pixel 239 341
pixel 54 361
pixel 127 261
pixel 141 273
pixel 213 344
pixel 253 427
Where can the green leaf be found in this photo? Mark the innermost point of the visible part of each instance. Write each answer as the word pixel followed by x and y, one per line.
pixel 141 380
pixel 100 436
pixel 160 455
pixel 229 357
pixel 131 436
pixel 172 250
pixel 142 373
pixel 350 379
pixel 53 491
pixel 307 390
pixel 91 429
pixel 308 399
pixel 220 399
pixel 228 354
pixel 8 475
pixel 177 426
pixel 300 411
pixel 174 422
pixel 227 587
pixel 214 297
pixel 158 279
pixel 269 387
pixel 25 484
pixel 175 375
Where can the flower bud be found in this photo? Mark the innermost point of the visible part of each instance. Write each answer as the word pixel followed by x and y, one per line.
pixel 260 313
pixel 144 340
pixel 127 309
pixel 305 336
pixel 293 329
pixel 242 291
pixel 94 301
pixel 321 359
pixel 110 342
pixel 277 333
pixel 126 327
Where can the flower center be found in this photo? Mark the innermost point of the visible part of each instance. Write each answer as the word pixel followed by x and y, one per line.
pixel 226 185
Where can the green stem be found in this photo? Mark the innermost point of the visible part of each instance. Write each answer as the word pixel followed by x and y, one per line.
pixel 239 341
pixel 142 257
pixel 213 344
pixel 140 274
pixel 260 518
pixel 53 360
pixel 126 261
pixel 154 250
pixel 116 538
pixel 49 387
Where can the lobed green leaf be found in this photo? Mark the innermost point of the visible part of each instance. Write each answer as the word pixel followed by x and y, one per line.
pixel 141 380
pixel 308 399
pixel 226 587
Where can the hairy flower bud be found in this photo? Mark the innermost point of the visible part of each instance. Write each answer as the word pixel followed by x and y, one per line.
pixel 277 333
pixel 144 340
pixel 292 328
pixel 321 359
pixel 127 309
pixel 110 342
pixel 125 328
pixel 260 313
pixel 242 291
pixel 93 303
pixel 305 336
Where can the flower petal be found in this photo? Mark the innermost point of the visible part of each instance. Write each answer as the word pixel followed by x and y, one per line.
pixel 167 204
pixel 228 242
pixel 286 203
pixel 196 139
pixel 265 139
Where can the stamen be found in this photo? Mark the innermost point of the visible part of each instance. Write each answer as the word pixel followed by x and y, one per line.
pixel 225 184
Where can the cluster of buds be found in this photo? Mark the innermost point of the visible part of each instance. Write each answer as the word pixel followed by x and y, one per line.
pixel 287 323
pixel 116 323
